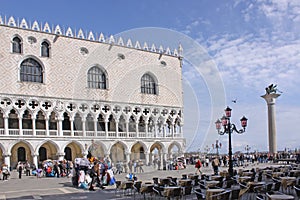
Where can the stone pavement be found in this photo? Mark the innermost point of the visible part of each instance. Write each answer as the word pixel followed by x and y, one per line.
pixel 37 188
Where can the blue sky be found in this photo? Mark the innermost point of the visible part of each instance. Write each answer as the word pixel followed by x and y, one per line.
pixel 232 49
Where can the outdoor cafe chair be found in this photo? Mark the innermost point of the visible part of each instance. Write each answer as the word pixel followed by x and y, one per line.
pixel 260 197
pixel 297 190
pixel 199 194
pixel 222 196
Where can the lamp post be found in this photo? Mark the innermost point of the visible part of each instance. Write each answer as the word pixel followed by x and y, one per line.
pixel 247 148
pixel 207 149
pixel 229 128
pixel 217 146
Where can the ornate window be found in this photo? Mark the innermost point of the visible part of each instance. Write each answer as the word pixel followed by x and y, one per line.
pixel 31 71
pixel 148 84
pixel 96 78
pixel 16 45
pixel 45 49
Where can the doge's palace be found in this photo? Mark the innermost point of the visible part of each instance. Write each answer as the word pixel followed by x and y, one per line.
pixel 66 92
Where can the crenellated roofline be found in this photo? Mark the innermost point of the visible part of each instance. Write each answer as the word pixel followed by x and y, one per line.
pixel 89 36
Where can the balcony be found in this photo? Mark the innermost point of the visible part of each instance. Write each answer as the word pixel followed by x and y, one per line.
pixel 88 134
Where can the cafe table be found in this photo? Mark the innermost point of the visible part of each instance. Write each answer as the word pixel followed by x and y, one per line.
pixel 224 174
pixel 185 182
pixel 243 179
pixel 211 183
pixel 280 197
pixel 146 188
pixel 277 174
pixel 211 192
pixel 165 181
pixel 267 171
pixel 169 191
pixel 216 177
pixel 295 172
pixel 247 173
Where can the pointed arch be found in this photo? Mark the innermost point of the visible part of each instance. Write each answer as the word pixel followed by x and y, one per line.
pixel 31 70
pixel 45 48
pixel 149 84
pixel 17 44
pixel 97 77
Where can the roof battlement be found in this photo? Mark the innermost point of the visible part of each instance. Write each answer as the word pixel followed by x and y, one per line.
pixel 90 36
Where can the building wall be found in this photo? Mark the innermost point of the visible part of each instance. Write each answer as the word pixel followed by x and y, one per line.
pixel 65 82
pixel 65 71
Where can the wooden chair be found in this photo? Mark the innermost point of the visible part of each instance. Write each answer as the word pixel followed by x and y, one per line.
pixel 155 180
pixel 137 187
pixel 127 188
pixel 222 196
pixel 260 197
pixel 235 194
pixel 199 194
pixel 158 192
pixel 277 186
pixel 118 185
pixel 297 190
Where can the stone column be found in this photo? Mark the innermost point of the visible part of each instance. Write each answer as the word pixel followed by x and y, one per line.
pixel 35 160
pixel 155 129
pixel 137 129
pixel 127 161
pixel 33 126
pixel 164 130
pixel 7 160
pixel 60 128
pixel 20 126
pixel 95 126
pixel 106 127
pixel 117 127
pixel 72 127
pixel 83 128
pixel 172 129
pixel 127 128
pixel 6 128
pixel 60 156
pixel 47 126
pixel 147 158
pixel 271 99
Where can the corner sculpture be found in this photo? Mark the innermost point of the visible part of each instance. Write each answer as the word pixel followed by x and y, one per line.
pixel 272 89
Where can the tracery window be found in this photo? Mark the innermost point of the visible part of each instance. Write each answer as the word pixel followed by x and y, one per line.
pixel 45 49
pixel 96 78
pixel 16 45
pixel 148 84
pixel 31 71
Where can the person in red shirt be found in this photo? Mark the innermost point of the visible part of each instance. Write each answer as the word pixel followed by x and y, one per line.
pixel 198 166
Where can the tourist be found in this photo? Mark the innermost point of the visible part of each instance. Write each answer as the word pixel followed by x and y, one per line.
pixel 5 172
pixel 20 169
pixel 130 166
pixel 198 166
pixel 140 164
pixel 27 168
pixel 215 164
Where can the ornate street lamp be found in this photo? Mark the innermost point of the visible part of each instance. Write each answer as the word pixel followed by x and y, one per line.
pixel 229 128
pixel 247 148
pixel 207 149
pixel 217 146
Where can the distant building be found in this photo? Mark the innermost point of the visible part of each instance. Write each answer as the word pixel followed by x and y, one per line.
pixel 64 93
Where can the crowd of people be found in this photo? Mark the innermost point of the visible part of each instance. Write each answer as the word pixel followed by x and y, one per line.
pixel 91 172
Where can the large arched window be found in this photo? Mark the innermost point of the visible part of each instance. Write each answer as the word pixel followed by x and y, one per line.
pixel 16 45
pixel 148 84
pixel 45 49
pixel 96 78
pixel 31 71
